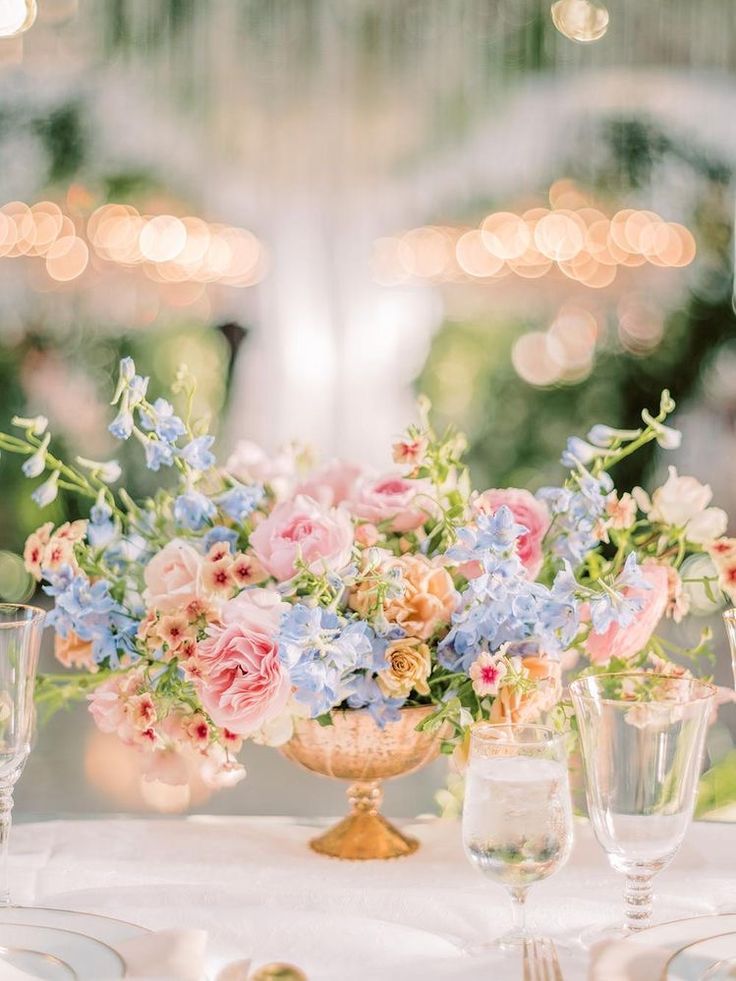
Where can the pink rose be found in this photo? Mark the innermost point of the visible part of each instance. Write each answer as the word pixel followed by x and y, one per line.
pixel 405 503
pixel 243 683
pixel 527 511
pixel 173 577
pixel 302 530
pixel 331 484
pixel 625 642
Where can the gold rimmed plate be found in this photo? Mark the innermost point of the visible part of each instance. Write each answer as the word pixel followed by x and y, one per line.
pixel 644 956
pixel 36 964
pixel 55 952
pixel 712 959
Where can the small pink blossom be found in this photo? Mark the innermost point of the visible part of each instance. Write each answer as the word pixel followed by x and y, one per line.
pixel 173 578
pixel 405 503
pixel 331 484
pixel 678 601
pixel 35 548
pixel 140 711
pixel 621 511
pixel 217 578
pixel 625 642
pixel 301 530
pixel 173 630
pixel 410 452
pixel 486 672
pixel 246 570
pixel 218 552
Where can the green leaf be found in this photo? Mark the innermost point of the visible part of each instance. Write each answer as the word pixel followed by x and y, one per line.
pixel 325 719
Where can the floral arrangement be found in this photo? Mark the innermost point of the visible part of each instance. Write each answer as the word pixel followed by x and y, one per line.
pixel 240 598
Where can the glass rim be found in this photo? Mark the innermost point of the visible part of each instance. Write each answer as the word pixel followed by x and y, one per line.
pixel 36 614
pixel 551 734
pixel 578 686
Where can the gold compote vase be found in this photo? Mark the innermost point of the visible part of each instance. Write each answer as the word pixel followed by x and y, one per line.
pixel 354 748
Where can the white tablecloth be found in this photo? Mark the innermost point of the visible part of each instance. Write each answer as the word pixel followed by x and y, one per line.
pixel 253 884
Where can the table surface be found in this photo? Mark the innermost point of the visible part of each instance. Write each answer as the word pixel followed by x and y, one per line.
pixel 260 892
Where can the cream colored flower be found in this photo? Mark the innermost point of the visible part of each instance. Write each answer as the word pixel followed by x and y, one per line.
pixel 409 664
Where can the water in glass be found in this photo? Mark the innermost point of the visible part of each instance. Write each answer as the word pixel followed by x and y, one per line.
pixel 517 820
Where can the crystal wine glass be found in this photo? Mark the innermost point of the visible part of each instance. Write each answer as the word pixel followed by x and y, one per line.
pixel 20 639
pixel 517 815
pixel 642 738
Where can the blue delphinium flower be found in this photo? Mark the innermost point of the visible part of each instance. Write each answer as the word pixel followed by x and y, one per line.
pixel 241 500
pixel 364 692
pixel 221 534
pixel 612 605
pixel 576 513
pixel 158 453
pixel 101 528
pixel 192 509
pixel 92 613
pixel 198 453
pixel 322 651
pixel 161 419
pixel 502 605
pixel 123 424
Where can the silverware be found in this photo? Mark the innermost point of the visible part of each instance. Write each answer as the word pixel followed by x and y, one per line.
pixel 540 960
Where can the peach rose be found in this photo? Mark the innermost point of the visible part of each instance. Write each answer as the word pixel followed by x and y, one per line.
pixel 427 601
pixel 331 484
pixel 625 642
pixel 405 503
pixel 173 577
pixel 513 705
pixel 73 652
pixel 527 511
pixel 408 666
pixel 243 683
pixel 302 530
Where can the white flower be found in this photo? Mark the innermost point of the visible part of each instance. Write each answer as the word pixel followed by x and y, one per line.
pixel 108 472
pixel 35 465
pixel 48 491
pixel 667 437
pixel 36 425
pixel 606 435
pixel 683 502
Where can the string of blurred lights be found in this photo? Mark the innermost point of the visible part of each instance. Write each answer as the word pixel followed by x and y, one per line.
pixel 168 249
pixel 572 237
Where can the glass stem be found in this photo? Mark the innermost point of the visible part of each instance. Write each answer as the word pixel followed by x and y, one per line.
pixel 638 899
pixel 518 908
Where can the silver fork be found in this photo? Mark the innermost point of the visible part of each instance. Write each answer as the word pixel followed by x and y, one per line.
pixel 540 960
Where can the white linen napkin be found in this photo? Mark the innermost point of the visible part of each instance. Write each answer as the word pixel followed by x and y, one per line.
pixel 168 955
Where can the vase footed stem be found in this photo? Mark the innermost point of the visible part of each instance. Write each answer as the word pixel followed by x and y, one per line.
pixel 364 833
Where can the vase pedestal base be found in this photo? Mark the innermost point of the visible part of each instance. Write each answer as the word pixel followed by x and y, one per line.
pixel 363 836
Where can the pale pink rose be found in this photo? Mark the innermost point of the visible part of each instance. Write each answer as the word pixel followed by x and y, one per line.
pixel 331 484
pixel 267 602
pixel 243 683
pixel 625 642
pixel 119 705
pixel 173 577
pixel 250 463
pixel 302 530
pixel 527 511
pixel 407 504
